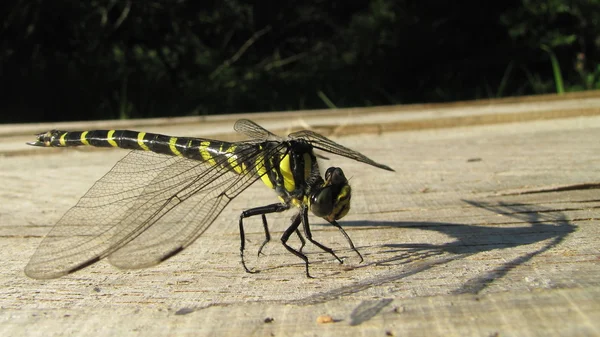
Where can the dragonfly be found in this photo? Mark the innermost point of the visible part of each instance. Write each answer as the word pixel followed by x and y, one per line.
pixel 167 191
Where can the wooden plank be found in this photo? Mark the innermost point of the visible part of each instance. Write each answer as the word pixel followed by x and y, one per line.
pixel 484 229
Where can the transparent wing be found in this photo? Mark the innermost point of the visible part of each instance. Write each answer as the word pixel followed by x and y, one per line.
pixel 196 207
pixel 255 131
pixel 127 213
pixel 322 143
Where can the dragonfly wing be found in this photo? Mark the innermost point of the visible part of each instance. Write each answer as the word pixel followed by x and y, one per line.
pixel 194 209
pixel 83 234
pixel 255 131
pixel 133 196
pixel 325 144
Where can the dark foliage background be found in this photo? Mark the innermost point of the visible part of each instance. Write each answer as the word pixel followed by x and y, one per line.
pixel 101 59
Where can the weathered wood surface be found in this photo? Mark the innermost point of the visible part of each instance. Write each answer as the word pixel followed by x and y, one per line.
pixel 489 226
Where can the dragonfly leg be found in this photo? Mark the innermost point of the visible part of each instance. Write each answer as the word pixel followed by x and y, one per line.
pixel 286 235
pixel 302 241
pixel 267 234
pixel 308 234
pixel 335 224
pixel 273 208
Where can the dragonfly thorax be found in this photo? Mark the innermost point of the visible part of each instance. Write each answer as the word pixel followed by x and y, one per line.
pixel 293 173
pixel 297 180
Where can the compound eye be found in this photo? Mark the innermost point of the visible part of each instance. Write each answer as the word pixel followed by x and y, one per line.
pixel 335 176
pixel 322 202
pixel 338 177
pixel 329 172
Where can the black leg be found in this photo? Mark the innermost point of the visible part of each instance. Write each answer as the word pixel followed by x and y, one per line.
pixel 309 235
pixel 335 224
pixel 302 241
pixel 286 235
pixel 273 208
pixel 267 234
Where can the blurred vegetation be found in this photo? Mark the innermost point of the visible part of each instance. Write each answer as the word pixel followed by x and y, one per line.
pixel 102 59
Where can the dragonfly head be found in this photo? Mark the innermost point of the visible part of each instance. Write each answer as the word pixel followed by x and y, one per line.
pixel 331 200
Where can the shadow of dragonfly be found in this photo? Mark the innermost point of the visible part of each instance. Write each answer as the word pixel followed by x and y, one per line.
pixel 539 224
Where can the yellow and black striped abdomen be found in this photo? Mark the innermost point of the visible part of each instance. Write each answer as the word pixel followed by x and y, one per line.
pixel 211 151
pixel 287 172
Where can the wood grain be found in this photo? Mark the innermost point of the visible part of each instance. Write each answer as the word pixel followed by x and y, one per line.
pixel 488 227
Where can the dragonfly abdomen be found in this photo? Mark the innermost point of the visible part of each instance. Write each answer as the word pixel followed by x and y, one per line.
pixel 214 152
